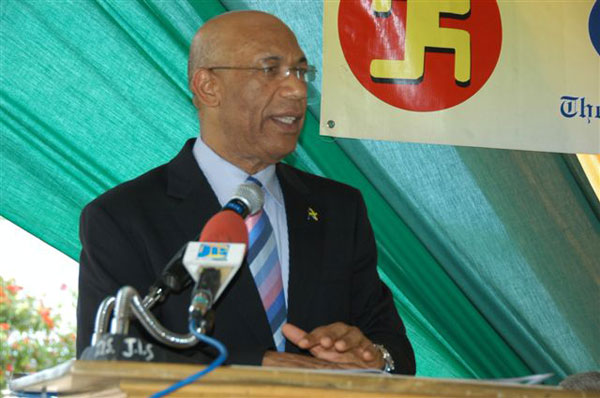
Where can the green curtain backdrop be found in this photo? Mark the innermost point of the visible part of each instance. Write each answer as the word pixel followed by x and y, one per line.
pixel 492 255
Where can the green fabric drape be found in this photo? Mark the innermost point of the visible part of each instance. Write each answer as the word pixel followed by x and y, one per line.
pixel 95 92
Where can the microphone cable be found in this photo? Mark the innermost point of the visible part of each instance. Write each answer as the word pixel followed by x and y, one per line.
pixel 25 394
pixel 214 364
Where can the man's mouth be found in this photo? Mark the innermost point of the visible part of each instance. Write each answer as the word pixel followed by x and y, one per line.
pixel 287 123
pixel 286 119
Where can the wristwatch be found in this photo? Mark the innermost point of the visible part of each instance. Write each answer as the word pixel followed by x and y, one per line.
pixel 387 358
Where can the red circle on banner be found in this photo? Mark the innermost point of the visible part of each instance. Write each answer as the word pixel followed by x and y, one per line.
pixel 366 35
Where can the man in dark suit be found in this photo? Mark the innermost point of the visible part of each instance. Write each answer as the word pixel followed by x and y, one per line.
pixel 249 80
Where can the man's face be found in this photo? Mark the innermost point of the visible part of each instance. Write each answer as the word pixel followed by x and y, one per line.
pixel 262 115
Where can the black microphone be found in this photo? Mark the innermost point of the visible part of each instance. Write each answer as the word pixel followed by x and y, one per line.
pixel 204 294
pixel 248 199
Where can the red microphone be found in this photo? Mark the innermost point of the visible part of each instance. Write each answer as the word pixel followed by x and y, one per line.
pixel 226 227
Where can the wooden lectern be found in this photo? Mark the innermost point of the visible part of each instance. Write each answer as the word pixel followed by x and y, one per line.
pixel 137 379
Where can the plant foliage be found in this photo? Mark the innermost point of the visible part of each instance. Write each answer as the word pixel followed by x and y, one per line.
pixel 32 336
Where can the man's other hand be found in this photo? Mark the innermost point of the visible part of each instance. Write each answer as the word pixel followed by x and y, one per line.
pixel 337 343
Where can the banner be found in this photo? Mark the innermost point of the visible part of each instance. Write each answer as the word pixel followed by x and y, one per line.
pixel 499 74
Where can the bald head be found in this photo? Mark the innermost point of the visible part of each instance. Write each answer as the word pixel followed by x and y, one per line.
pixel 219 40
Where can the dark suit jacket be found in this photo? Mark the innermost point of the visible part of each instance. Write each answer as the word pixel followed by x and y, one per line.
pixel 129 234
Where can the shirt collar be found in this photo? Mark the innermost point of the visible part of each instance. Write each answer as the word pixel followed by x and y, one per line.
pixel 225 177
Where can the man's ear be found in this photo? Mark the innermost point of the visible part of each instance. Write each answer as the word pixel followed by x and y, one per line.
pixel 205 88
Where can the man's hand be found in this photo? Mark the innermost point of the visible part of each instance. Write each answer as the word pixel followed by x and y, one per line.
pixel 337 343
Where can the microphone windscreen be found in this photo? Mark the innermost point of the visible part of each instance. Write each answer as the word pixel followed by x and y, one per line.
pixel 252 195
pixel 225 227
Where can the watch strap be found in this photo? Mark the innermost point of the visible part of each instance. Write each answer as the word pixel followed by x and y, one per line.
pixel 387 358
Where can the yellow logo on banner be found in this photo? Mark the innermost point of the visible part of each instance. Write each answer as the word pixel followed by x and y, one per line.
pixel 424 33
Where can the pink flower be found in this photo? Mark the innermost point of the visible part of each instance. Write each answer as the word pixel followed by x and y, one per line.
pixel 63 286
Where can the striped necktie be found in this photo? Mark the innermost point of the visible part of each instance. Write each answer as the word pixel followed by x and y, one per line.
pixel 263 260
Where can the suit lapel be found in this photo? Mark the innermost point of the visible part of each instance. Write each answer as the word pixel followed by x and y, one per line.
pixel 197 201
pixel 197 204
pixel 305 236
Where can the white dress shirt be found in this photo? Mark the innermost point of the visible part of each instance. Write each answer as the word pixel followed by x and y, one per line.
pixel 224 179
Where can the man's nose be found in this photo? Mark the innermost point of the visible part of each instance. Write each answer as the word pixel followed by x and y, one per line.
pixel 293 87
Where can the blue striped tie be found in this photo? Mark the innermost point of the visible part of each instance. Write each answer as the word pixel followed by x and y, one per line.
pixel 263 259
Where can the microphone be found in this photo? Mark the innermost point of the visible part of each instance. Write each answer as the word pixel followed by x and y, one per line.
pixel 227 225
pixel 212 265
pixel 248 199
pixel 214 261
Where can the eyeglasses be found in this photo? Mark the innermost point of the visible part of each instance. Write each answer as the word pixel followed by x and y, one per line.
pixel 303 73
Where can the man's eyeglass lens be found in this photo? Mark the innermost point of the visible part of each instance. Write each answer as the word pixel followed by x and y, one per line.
pixel 303 73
